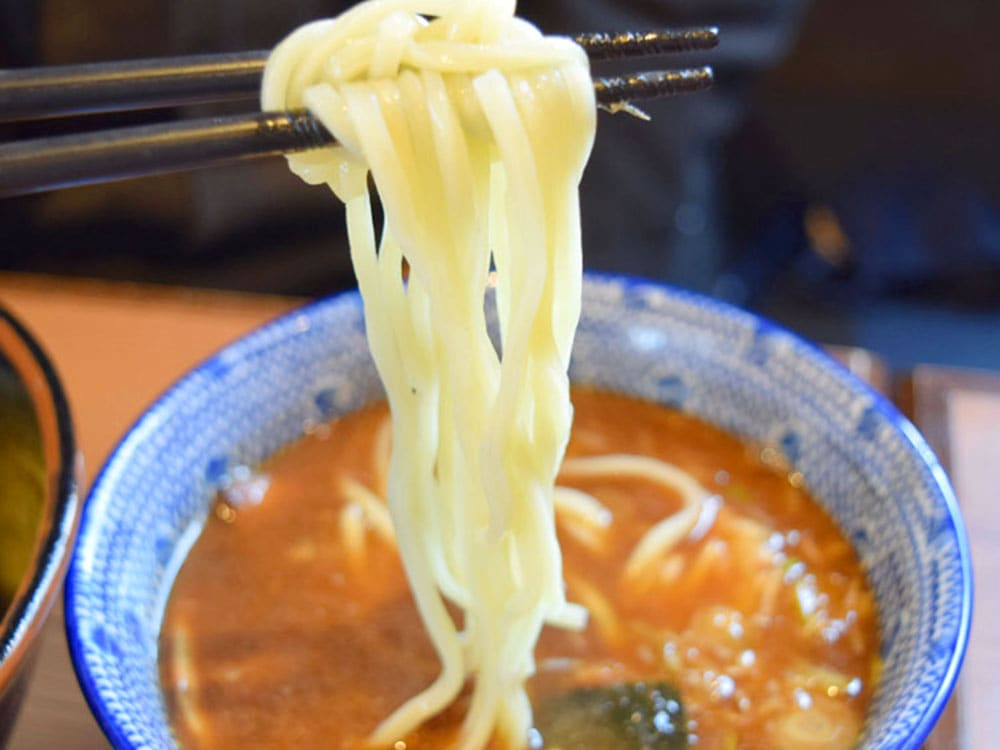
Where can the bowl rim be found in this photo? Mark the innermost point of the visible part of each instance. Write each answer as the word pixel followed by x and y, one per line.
pixel 25 617
pixel 913 437
pixel 632 284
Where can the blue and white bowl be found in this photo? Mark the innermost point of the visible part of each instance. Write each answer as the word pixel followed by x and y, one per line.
pixel 865 462
pixel 39 505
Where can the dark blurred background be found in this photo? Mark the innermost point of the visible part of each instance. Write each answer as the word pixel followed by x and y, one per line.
pixel 843 177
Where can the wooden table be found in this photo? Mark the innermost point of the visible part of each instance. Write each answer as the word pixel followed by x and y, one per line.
pixel 118 346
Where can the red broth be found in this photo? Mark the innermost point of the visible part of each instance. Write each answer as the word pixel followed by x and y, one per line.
pixel 275 636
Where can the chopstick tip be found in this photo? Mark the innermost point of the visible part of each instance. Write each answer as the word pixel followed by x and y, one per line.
pixel 614 92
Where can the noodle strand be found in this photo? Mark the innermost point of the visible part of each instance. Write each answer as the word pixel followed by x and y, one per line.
pixel 476 129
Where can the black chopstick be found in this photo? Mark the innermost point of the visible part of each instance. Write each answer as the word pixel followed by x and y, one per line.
pixel 108 155
pixel 65 161
pixel 33 93
pixel 61 90
pixel 104 156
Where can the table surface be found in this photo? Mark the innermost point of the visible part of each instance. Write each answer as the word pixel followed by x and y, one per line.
pixel 117 346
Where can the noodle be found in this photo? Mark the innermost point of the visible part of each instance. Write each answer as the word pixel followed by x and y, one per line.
pixel 659 540
pixel 476 130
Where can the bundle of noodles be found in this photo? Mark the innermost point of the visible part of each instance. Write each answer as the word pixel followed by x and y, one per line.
pixel 476 130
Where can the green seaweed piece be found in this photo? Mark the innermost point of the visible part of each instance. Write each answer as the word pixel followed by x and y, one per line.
pixel 630 716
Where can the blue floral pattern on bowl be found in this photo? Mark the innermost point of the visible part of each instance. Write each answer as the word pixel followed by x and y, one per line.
pixel 867 464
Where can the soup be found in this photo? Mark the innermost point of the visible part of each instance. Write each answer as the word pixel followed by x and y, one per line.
pixel 291 623
pixel 22 483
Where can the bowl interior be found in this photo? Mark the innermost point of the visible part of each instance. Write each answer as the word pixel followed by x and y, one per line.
pixel 38 506
pixel 864 462
pixel 22 477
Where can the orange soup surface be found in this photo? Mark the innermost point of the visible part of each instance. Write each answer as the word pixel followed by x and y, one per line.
pixel 291 625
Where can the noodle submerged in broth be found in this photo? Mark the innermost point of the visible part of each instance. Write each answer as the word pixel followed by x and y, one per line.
pixel 292 625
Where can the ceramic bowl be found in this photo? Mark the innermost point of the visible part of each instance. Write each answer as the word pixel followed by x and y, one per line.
pixel 38 504
pixel 866 463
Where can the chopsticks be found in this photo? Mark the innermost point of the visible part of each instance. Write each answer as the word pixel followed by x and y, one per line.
pixel 34 93
pixel 49 163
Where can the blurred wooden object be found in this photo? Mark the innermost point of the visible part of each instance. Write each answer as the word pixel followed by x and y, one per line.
pixel 958 412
